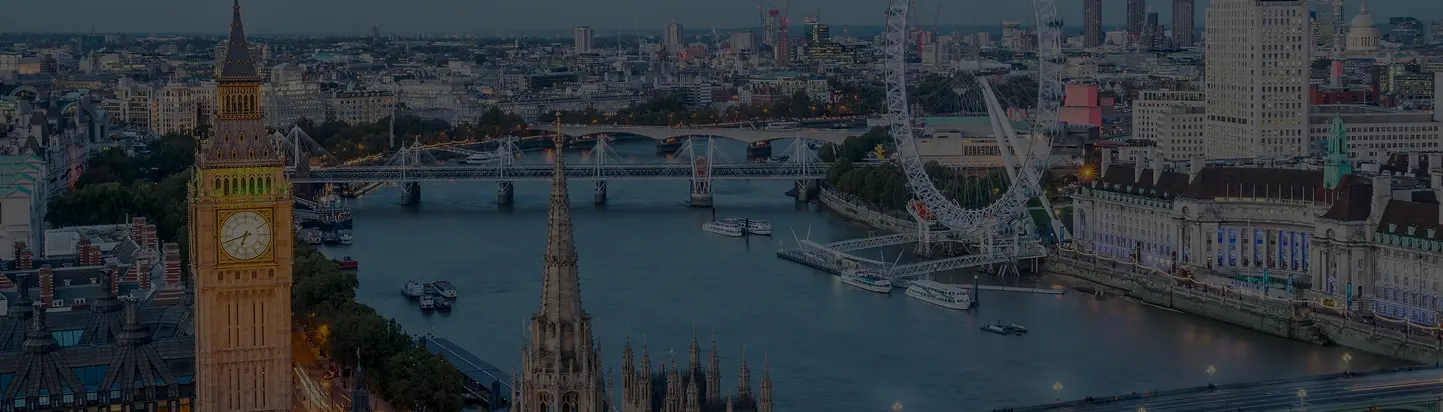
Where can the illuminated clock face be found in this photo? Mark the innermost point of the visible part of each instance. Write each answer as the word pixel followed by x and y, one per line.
pixel 245 235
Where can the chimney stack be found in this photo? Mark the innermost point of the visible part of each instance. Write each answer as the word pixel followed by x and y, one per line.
pixel 136 224
pixel 1106 160
pixel 1382 193
pixel 1139 162
pixel 144 266
pixel 47 285
pixel 1415 165
pixel 1156 166
pixel 112 271
pixel 23 257
pixel 82 252
pixel 148 242
pixel 172 264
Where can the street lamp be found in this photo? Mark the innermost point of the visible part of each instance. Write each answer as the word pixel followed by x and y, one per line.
pixel 1211 370
pixel 1302 398
pixel 1057 389
pixel 1347 357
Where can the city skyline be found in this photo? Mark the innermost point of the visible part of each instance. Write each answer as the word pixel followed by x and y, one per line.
pixel 357 17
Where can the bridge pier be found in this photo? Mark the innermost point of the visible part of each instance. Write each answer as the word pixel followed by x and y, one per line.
pixel 410 193
pixel 599 192
pixel 505 193
pixel 701 193
pixel 805 189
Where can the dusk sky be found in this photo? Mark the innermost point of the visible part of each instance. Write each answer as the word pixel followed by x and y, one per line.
pixel 355 17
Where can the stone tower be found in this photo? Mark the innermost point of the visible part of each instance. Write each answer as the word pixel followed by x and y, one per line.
pixel 561 365
pixel 241 235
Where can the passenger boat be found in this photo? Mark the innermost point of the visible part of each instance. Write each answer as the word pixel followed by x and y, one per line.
pixel 947 296
pixel 346 263
pixel 428 303
pixel 870 281
pixel 413 289
pixel 344 236
pixel 443 305
pixel 313 236
pixel 482 158
pixel 1015 328
pixel 330 238
pixel 668 145
pixel 755 227
pixel 444 289
pixel 724 228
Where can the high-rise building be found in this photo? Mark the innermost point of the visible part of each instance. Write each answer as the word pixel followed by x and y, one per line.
pixel 771 23
pixel 1183 23
pixel 742 41
pixel 241 242
pixel 1092 26
pixel 584 39
pixel 1152 31
pixel 672 37
pixel 818 33
pixel 376 33
pixel 1257 58
pixel 1136 12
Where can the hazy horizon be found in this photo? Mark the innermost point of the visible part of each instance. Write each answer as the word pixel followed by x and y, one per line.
pixel 355 17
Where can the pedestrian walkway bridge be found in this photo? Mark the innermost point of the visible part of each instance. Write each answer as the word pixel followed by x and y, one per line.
pixel 742 134
pixel 488 384
pixel 835 257
pixel 1413 389
pixel 542 172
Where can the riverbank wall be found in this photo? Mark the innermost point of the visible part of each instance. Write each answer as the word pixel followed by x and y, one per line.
pixel 1286 319
pixel 1384 341
pixel 843 205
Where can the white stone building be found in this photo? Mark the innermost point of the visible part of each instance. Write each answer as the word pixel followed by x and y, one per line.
pixel 1376 133
pixel 288 98
pixel 1371 243
pixel 359 107
pixel 182 107
pixel 1149 111
pixel 1257 55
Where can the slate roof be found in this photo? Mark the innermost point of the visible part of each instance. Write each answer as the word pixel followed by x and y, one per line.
pixel 1354 201
pixel 1403 214
pixel 239 64
pixel 1216 182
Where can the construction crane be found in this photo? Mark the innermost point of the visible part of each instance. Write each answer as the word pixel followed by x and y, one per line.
pixel 783 52
pixel 716 40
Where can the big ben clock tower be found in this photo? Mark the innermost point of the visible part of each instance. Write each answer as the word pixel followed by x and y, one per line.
pixel 241 236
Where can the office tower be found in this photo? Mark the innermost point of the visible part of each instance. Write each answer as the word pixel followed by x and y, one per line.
pixel 671 37
pixel 742 41
pixel 241 253
pixel 1183 29
pixel 1257 58
pixel 584 39
pixel 770 26
pixel 1136 10
pixel 1092 26
pixel 376 32
pixel 1151 31
pixel 818 33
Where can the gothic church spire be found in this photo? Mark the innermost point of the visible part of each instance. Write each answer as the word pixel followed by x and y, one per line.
pixel 560 286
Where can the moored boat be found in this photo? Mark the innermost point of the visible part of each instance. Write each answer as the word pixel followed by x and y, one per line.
pixel 724 228
pixel 313 236
pixel 870 281
pixel 344 236
pixel 998 329
pixel 413 289
pixel 947 296
pixel 482 158
pixel 754 227
pixel 346 263
pixel 444 289
pixel 428 303
pixel 443 305
pixel 330 238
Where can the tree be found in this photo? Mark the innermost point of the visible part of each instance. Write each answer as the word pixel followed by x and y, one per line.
pixel 419 380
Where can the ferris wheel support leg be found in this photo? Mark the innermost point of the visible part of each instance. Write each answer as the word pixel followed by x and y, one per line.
pixel 410 193
pixel 505 193
pixel 599 193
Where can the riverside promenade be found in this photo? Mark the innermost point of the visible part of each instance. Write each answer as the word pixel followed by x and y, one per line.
pixel 1250 308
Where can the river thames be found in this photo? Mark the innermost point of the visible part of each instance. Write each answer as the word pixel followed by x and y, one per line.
pixel 649 272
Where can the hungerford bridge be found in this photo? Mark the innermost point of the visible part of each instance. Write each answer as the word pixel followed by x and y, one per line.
pixel 697 161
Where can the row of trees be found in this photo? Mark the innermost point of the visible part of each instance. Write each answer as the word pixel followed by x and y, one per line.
pixel 323 301
pixel 672 109
pixel 116 186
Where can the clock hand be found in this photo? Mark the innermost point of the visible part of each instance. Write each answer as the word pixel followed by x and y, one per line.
pixel 234 238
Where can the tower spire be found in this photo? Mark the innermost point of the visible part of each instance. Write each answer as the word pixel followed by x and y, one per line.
pixel 238 64
pixel 561 288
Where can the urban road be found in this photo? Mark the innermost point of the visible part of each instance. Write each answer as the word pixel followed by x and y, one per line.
pixel 1341 391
